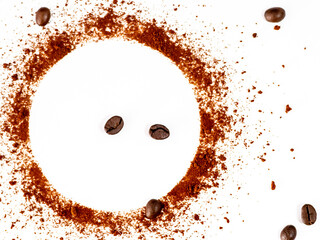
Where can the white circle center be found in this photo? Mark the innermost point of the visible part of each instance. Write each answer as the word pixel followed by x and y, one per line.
pixel 76 98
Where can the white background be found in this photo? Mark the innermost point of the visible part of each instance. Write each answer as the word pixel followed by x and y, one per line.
pixel 129 165
pixel 264 212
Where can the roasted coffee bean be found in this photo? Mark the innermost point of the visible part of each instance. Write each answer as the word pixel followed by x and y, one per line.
pixel 153 208
pixel 275 14
pixel 114 125
pixel 308 214
pixel 288 233
pixel 43 16
pixel 159 132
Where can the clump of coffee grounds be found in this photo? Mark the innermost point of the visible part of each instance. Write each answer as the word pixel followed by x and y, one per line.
pixel 288 108
pixel 204 173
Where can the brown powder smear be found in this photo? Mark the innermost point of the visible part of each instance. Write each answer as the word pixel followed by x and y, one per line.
pixel 209 87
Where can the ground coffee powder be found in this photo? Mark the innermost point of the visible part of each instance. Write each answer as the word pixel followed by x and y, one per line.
pixel 210 89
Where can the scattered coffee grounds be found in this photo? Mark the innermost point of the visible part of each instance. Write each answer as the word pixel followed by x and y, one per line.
pixel 254 35
pixel 114 125
pixel 153 208
pixel 276 27
pixel 43 16
pixel 308 214
pixel 275 14
pixel 288 233
pixel 209 82
pixel 273 185
pixel 159 132
pixel 288 108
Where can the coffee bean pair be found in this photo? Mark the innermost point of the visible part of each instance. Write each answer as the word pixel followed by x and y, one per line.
pixel 275 14
pixel 115 124
pixel 308 217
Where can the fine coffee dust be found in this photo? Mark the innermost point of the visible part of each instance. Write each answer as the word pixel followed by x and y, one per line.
pixel 42 202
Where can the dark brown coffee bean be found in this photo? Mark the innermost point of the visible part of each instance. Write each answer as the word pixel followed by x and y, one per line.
pixel 153 208
pixel 43 16
pixel 114 125
pixel 159 132
pixel 308 214
pixel 275 14
pixel 288 233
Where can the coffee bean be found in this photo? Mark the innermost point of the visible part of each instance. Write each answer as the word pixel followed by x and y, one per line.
pixel 275 14
pixel 43 16
pixel 288 233
pixel 153 208
pixel 114 125
pixel 159 132
pixel 308 214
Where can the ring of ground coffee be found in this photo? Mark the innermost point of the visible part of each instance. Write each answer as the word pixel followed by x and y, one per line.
pixel 209 87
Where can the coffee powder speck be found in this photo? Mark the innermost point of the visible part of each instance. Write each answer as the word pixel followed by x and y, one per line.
pixel 288 108
pixel 276 27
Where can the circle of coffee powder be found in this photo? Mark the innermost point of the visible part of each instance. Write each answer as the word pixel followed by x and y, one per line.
pixel 209 84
